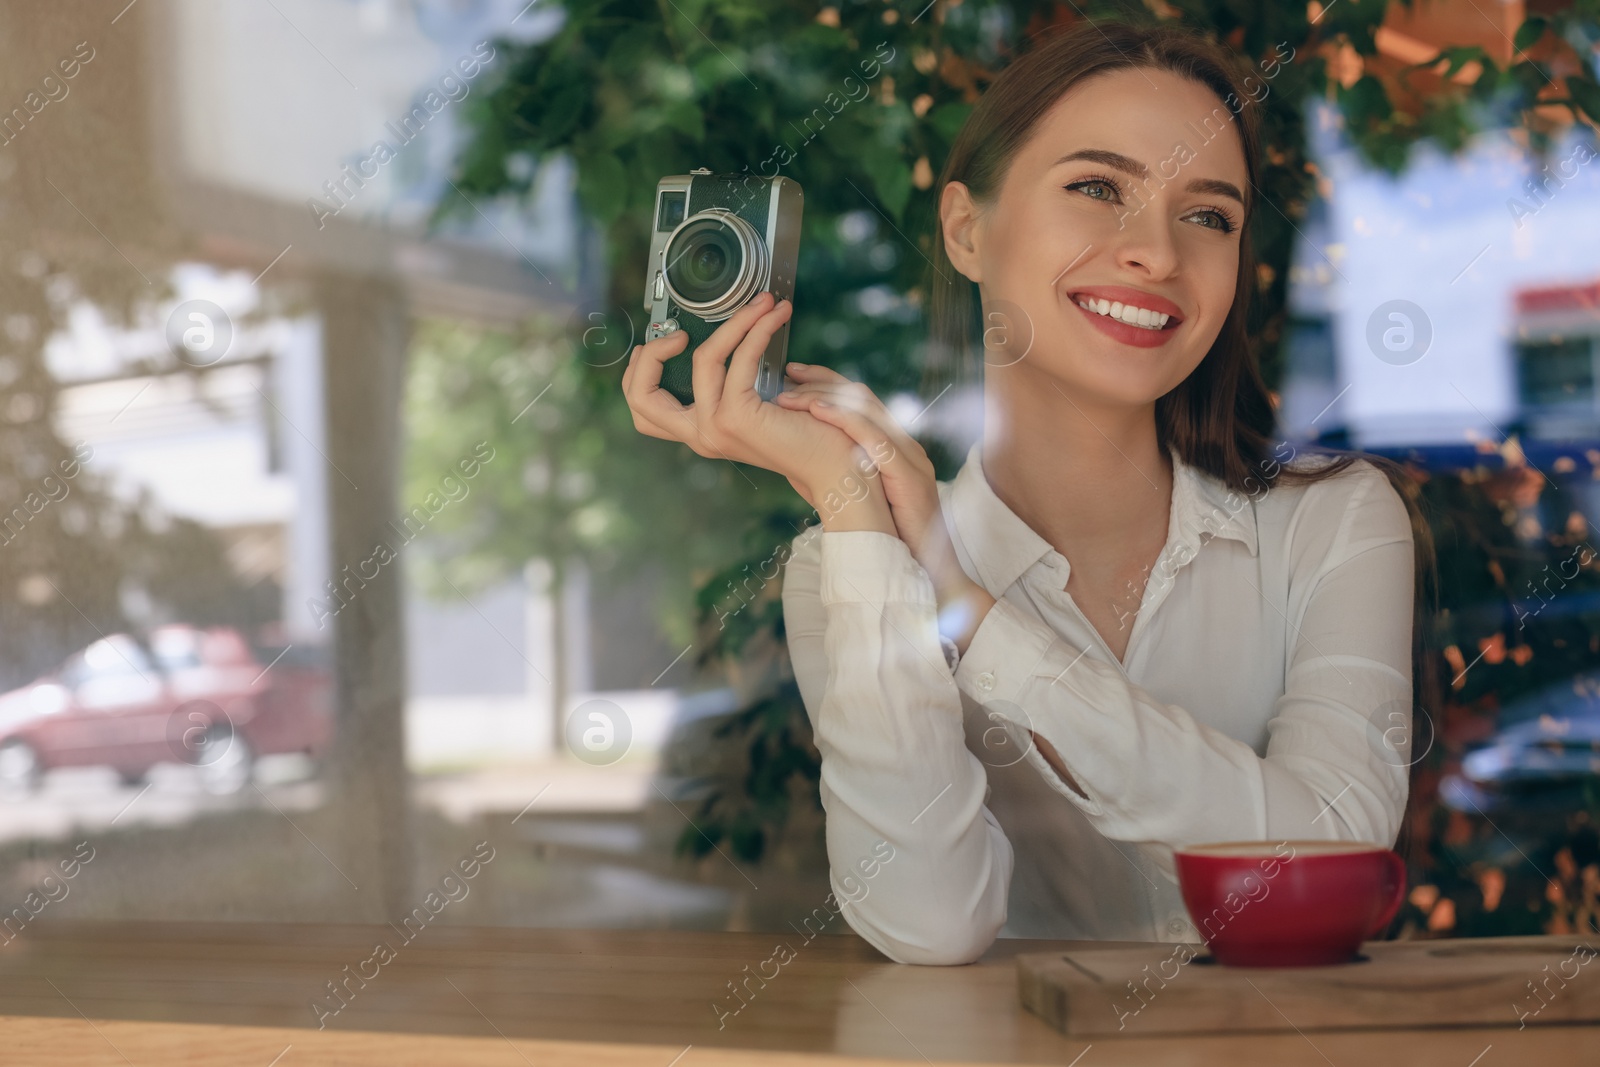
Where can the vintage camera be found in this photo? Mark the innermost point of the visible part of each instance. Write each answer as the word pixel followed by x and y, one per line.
pixel 718 240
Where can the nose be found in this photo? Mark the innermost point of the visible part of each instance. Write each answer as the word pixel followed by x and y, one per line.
pixel 1144 243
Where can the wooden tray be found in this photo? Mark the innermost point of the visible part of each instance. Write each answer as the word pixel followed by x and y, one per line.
pixel 1170 989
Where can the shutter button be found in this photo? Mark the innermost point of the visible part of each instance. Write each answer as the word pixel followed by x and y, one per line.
pixel 986 681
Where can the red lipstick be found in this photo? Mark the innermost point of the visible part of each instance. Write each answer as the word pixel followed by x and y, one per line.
pixel 1128 334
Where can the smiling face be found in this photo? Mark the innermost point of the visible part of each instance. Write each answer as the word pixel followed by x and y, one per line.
pixel 1124 199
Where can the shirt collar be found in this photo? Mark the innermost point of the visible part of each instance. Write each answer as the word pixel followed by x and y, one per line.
pixel 1002 547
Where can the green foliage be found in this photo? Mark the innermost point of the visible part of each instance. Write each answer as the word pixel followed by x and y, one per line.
pixel 859 103
pixel 1585 95
pixel 1519 621
pixel 1530 31
pixel 749 808
pixel 570 477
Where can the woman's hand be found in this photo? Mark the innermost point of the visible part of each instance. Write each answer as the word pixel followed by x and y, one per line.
pixel 729 420
pixel 909 485
pixel 903 466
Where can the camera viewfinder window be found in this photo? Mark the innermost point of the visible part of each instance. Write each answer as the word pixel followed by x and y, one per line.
pixel 671 211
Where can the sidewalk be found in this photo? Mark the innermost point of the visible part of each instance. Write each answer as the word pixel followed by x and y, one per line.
pixel 543 787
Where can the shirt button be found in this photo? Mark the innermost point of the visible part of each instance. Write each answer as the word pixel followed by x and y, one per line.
pixel 986 681
pixel 1176 926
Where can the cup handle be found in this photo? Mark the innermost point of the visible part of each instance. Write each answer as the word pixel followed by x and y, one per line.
pixel 1393 906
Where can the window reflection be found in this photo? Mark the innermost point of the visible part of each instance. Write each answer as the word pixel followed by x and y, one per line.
pixel 324 554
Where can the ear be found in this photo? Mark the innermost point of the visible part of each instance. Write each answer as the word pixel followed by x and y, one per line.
pixel 959 219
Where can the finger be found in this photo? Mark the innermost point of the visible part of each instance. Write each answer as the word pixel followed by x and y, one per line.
pixel 810 372
pixel 630 372
pixel 646 399
pixel 859 400
pixel 650 429
pixel 746 362
pixel 822 389
pixel 683 420
pixel 711 358
pixel 845 394
pixel 679 427
pixel 644 366
pixel 799 397
pixel 627 372
pixel 861 429
pixel 652 405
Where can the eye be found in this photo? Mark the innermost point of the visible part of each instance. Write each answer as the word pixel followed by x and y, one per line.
pixel 1219 220
pixel 1097 188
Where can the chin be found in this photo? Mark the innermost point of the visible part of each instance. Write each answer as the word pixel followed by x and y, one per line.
pixel 1135 379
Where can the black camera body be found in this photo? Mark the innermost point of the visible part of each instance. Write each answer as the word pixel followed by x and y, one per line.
pixel 717 241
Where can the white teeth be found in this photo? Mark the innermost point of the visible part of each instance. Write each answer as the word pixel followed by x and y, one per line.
pixel 1133 316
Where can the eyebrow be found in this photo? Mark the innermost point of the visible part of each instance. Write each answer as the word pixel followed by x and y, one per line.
pixel 1132 166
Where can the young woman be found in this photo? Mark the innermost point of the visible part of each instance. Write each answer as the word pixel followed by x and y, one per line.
pixel 1130 622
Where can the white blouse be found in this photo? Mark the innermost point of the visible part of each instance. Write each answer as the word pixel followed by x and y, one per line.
pixel 1265 695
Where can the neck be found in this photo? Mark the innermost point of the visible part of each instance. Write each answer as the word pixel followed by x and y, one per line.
pixel 1089 478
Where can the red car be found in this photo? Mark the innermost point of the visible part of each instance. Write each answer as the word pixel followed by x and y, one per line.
pixel 185 695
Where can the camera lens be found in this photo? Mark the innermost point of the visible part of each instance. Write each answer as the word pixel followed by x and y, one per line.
pixel 715 262
pixel 708 262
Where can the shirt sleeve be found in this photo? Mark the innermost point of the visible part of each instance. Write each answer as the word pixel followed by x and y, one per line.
pixel 860 616
pixel 1335 765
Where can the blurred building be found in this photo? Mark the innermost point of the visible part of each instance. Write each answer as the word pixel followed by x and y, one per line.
pixel 1456 301
pixel 236 446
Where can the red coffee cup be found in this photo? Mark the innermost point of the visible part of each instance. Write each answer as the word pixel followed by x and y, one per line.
pixel 1289 903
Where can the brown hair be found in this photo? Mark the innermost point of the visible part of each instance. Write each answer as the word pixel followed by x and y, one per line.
pixel 1219 419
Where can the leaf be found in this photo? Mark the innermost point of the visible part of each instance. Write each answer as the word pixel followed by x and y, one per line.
pixel 946 119
pixel 1529 32
pixel 747 839
pixel 1530 76
pixel 693 842
pixel 632 48
pixel 554 122
pixel 1457 57
pixel 602 186
pixel 686 117
pixel 1365 102
pixel 711 70
pixel 1357 19
pixel 891 180
pixel 1585 94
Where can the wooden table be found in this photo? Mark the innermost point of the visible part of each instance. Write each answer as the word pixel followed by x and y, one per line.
pixel 81 993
